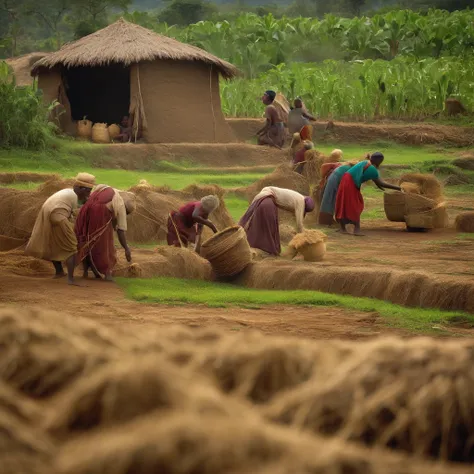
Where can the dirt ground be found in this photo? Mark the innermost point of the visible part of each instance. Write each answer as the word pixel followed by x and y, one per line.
pixel 105 303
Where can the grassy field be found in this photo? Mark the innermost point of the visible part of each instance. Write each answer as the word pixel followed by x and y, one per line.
pixel 175 291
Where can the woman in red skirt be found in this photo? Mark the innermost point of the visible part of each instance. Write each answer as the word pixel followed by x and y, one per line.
pixel 185 225
pixel 105 211
pixel 349 200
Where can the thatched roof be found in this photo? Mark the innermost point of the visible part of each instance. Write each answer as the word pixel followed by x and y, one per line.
pixel 21 66
pixel 127 43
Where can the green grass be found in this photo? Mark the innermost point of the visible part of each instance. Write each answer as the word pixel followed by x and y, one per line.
pixel 176 291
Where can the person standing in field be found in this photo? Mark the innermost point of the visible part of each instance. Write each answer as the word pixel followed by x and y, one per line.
pixel 186 224
pixel 349 200
pixel 299 160
pixel 260 221
pixel 53 236
pixel 273 132
pixel 105 211
pixel 298 117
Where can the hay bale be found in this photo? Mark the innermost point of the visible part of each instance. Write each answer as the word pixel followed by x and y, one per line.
pixel 100 133
pixel 420 221
pixel 409 395
pixel 84 129
pixel 14 261
pixel 128 388
pixel 465 222
pixel 114 131
pixel 430 186
pixel 228 251
pixel 41 352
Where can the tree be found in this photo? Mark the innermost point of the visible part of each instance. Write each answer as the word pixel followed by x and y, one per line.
pixel 356 6
pixel 14 10
pixel 185 12
pixel 97 9
pixel 51 13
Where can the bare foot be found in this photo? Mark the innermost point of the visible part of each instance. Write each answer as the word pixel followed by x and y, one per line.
pixel 59 275
pixel 343 231
pixel 358 234
pixel 109 278
pixel 75 283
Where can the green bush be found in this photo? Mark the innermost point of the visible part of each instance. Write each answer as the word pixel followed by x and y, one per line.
pixel 23 116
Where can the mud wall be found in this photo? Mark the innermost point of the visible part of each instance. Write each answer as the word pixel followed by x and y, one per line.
pixel 181 102
pixel 52 86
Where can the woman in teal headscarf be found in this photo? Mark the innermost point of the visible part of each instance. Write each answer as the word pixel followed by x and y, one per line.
pixel 349 200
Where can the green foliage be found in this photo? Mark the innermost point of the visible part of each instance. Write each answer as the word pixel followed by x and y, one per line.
pixel 185 12
pixel 23 117
pixel 337 89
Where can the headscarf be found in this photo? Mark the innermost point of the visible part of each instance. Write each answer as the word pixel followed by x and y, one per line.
pixel 271 94
pixel 336 155
pixel 210 203
pixel 85 180
pixel 377 154
pixel 308 204
pixel 130 201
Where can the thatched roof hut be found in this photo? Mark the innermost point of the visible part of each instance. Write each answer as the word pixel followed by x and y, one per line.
pixel 170 89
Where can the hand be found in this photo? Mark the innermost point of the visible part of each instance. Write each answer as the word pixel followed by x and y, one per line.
pixel 214 229
pixel 128 255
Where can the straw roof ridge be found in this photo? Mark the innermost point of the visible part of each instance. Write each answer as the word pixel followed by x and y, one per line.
pixel 127 43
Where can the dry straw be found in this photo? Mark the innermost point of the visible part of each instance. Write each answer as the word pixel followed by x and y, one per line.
pixel 428 184
pixel 126 43
pixel 129 388
pixel 465 222
pixel 311 244
pixel 188 444
pixel 41 352
pixel 407 395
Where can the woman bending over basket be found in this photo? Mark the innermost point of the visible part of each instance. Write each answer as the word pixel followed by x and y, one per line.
pixel 105 211
pixel 349 200
pixel 260 222
pixel 186 224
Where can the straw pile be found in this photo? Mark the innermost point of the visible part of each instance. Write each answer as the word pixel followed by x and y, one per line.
pixel 312 167
pixel 429 186
pixel 282 177
pixel 128 388
pixel 100 133
pixel 42 352
pixel 311 244
pixel 413 396
pixel 465 222
pixel 228 251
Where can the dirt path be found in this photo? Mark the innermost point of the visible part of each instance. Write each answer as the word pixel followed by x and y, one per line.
pixel 106 303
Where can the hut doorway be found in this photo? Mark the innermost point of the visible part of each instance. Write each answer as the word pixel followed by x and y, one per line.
pixel 101 94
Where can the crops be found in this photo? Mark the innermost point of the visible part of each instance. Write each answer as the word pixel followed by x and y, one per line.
pixel 401 88
pixel 400 64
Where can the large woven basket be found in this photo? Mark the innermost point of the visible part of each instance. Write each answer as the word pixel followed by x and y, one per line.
pixel 84 129
pixel 423 220
pixel 415 203
pixel 394 205
pixel 228 251
pixel 114 131
pixel 313 252
pixel 100 133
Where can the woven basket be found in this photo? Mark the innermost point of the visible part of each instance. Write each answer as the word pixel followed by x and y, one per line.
pixel 423 220
pixel 394 205
pixel 313 252
pixel 414 204
pixel 84 129
pixel 228 251
pixel 100 133
pixel 437 217
pixel 114 131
